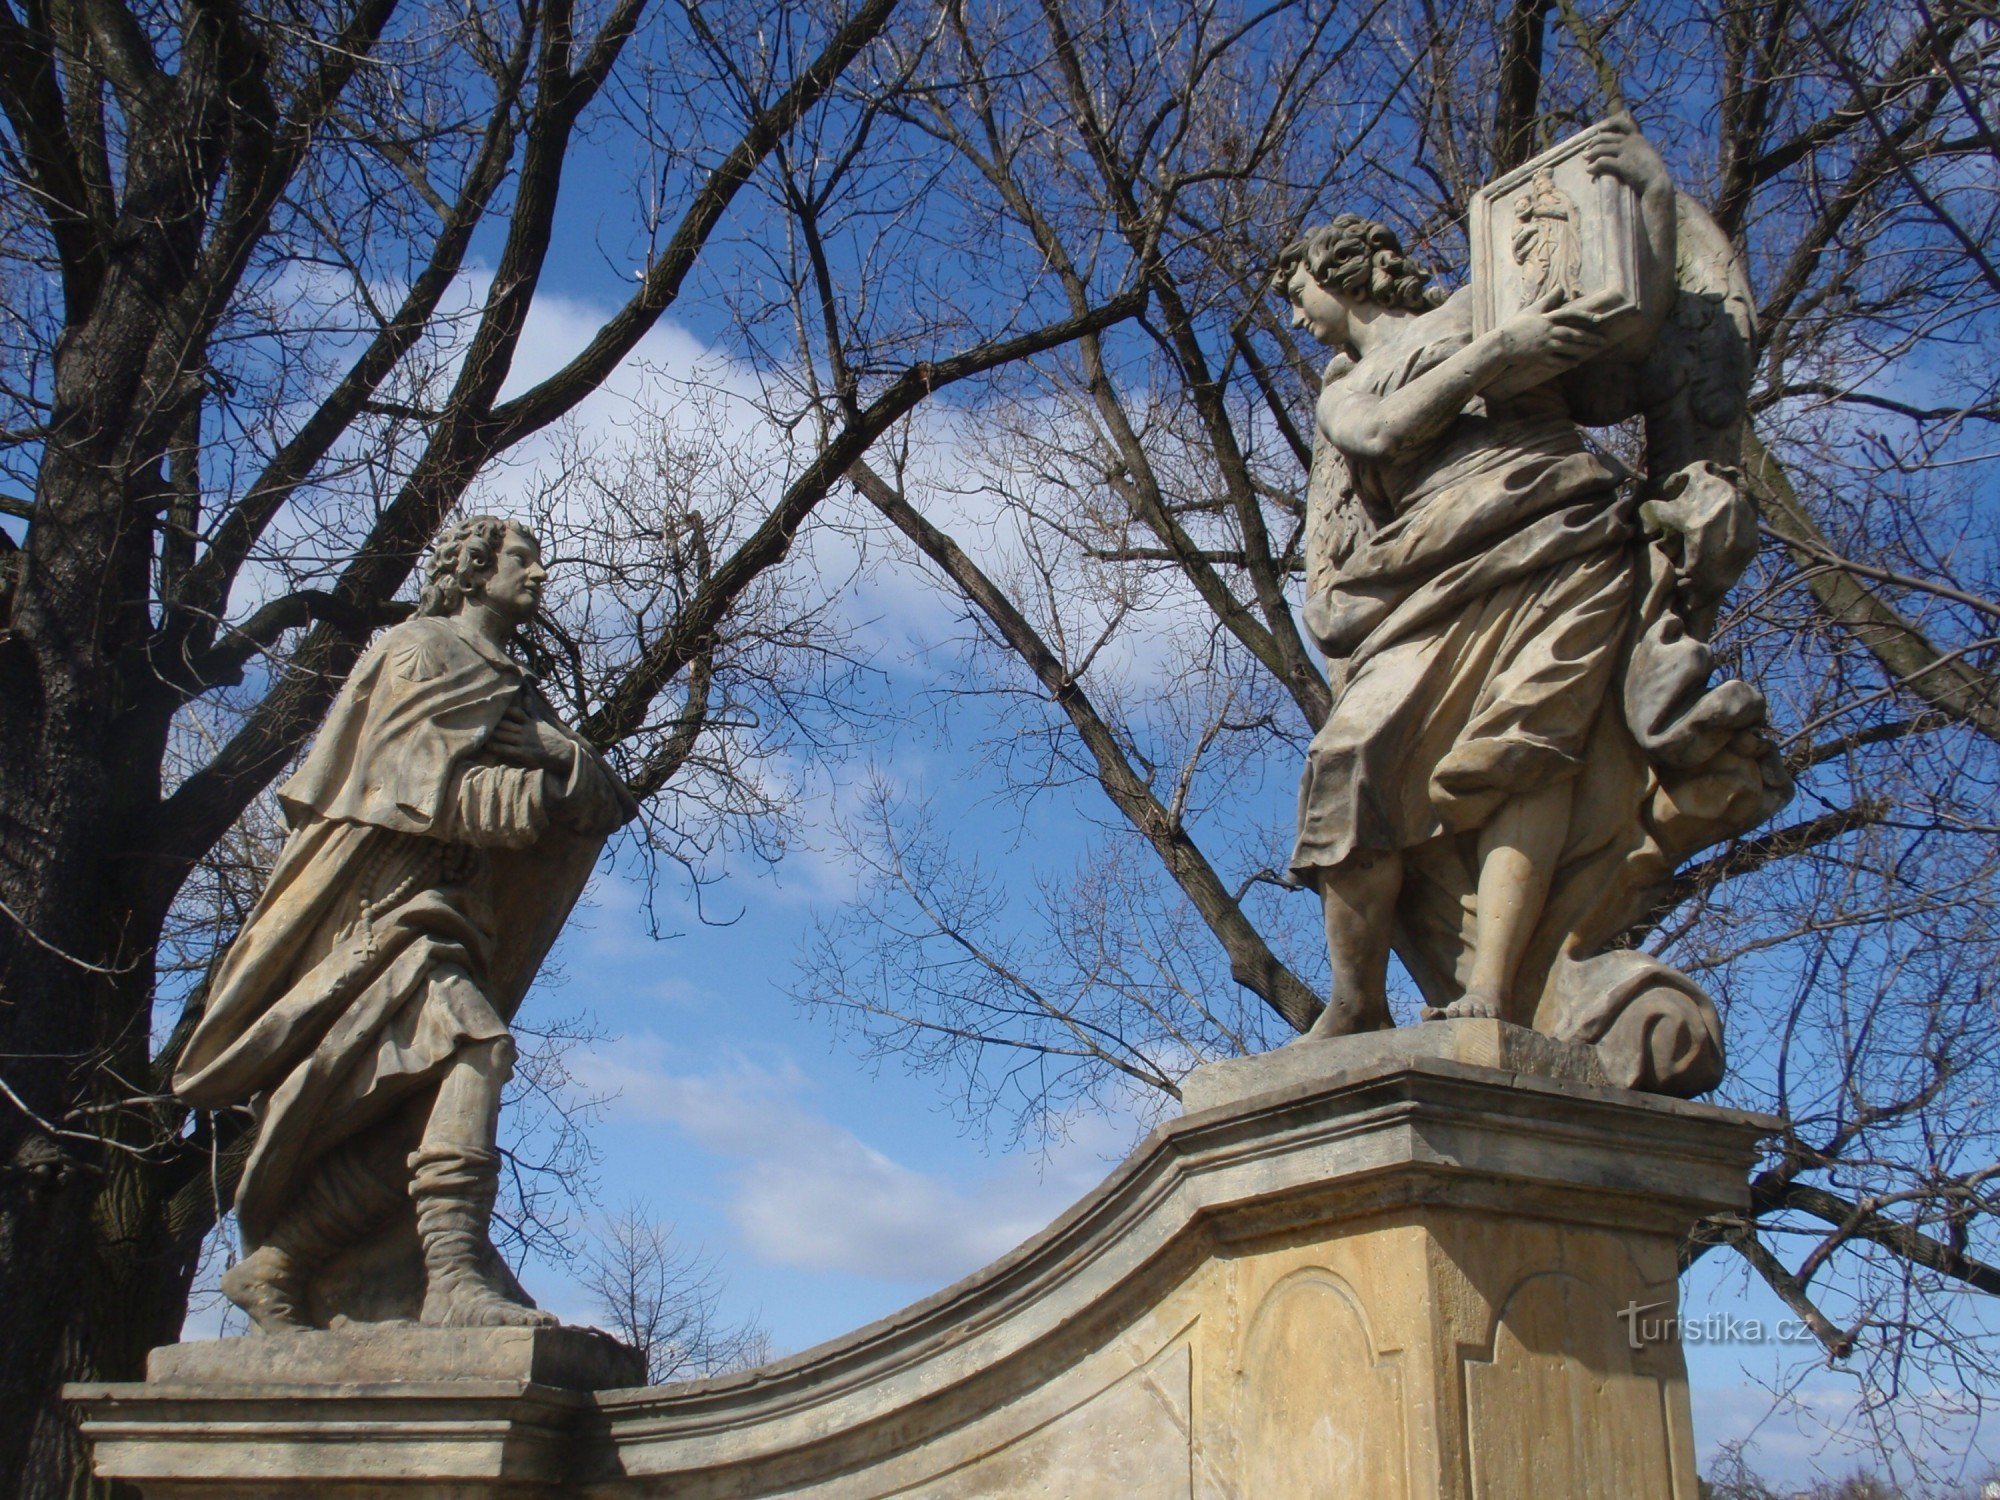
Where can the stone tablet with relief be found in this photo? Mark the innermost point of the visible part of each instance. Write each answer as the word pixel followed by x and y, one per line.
pixel 1550 225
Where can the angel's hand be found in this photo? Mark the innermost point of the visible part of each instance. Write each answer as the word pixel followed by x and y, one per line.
pixel 1555 336
pixel 1622 152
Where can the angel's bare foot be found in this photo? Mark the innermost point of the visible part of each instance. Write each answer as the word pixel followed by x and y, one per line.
pixel 1475 1005
pixel 1347 1015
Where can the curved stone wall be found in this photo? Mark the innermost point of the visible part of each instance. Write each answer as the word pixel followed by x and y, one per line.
pixel 1391 1266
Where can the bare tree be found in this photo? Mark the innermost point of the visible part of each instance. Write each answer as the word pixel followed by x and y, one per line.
pixel 1733 1479
pixel 1137 615
pixel 269 274
pixel 661 1295
pixel 253 357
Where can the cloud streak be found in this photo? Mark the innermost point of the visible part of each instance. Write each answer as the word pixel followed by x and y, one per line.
pixel 811 1194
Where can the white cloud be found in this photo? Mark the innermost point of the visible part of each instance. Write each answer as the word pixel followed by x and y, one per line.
pixel 809 1193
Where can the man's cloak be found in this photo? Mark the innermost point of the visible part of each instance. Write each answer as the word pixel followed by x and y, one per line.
pixel 421 886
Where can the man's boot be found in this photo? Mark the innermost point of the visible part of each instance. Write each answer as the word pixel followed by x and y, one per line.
pixel 466 1287
pixel 343 1200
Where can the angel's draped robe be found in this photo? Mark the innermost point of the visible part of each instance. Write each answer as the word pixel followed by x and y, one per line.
pixel 1492 616
pixel 418 892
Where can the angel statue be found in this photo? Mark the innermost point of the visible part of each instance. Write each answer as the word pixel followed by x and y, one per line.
pixel 1524 741
pixel 442 826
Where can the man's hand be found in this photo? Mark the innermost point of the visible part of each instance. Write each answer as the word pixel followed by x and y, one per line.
pixel 520 740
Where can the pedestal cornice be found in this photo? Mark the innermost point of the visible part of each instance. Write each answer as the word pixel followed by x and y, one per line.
pixel 1401 1171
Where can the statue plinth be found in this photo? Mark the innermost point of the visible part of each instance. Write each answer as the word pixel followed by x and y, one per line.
pixel 1310 1060
pixel 439 1413
pixel 1365 1267
pixel 576 1359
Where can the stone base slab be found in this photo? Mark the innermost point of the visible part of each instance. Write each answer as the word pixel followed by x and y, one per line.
pixel 1477 1043
pixel 358 1413
pixel 1389 1266
pixel 416 1440
pixel 576 1359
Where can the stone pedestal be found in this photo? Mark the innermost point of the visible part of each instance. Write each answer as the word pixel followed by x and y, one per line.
pixel 1390 1266
pixel 437 1413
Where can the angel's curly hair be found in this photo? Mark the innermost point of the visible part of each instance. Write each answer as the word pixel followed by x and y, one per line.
pixel 466 553
pixel 1363 259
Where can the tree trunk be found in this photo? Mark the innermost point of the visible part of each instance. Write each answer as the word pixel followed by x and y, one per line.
pixel 82 733
pixel 93 1269
pixel 132 1298
pixel 51 809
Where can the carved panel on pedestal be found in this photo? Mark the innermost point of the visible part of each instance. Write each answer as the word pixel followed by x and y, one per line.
pixel 1129 1441
pixel 1558 1404
pixel 1323 1407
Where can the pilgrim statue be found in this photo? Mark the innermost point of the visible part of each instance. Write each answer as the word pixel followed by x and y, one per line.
pixel 1525 740
pixel 441 828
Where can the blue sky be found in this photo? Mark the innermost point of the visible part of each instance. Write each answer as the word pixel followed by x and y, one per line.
pixel 832 1191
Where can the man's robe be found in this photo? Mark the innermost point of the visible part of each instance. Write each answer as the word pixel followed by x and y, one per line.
pixel 421 887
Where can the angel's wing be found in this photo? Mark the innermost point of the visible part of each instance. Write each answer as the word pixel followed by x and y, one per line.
pixel 1694 391
pixel 1336 521
pixel 1695 385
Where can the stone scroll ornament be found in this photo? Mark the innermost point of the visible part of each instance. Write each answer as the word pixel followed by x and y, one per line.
pixel 1525 740
pixel 441 828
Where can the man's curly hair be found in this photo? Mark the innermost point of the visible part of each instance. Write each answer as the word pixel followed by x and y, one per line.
pixel 464 555
pixel 1363 259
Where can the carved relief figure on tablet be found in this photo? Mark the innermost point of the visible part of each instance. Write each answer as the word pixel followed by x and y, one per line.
pixel 1547 246
pixel 1524 742
pixel 442 826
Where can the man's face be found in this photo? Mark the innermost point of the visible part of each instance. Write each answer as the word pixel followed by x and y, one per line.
pixel 1315 309
pixel 514 587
